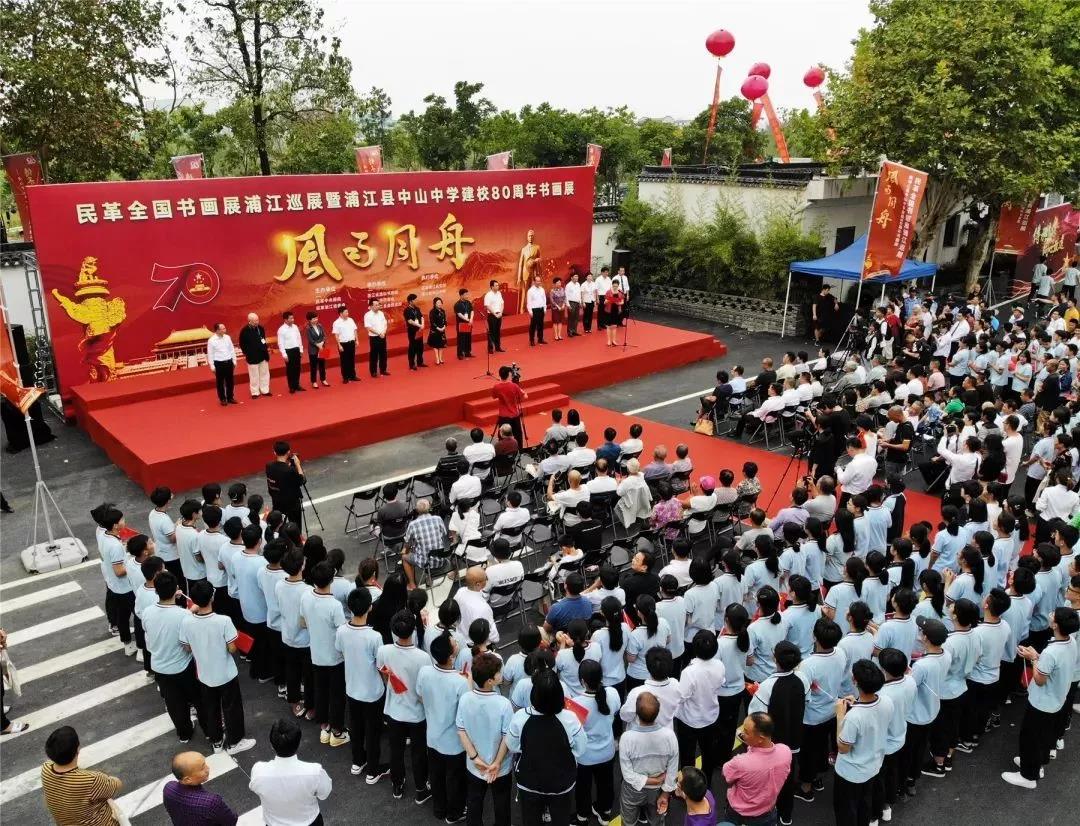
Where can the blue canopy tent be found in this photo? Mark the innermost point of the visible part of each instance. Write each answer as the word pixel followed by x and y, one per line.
pixel 847 265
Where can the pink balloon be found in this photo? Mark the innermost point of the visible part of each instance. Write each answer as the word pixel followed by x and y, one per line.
pixel 754 87
pixel 720 43
pixel 814 77
pixel 762 69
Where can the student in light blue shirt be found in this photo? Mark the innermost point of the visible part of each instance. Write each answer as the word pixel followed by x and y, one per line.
pixel 575 647
pixel 928 672
pixel 1018 618
pixel 878 519
pixel 119 594
pixel 359 645
pixel 700 599
pixel 800 615
pixel 295 640
pixel 268 577
pixel 876 587
pixel 172 662
pixel 211 638
pixel 483 721
pixel 971 582
pixel 596 766
pixel 1045 596
pixel 824 670
pixel 861 734
pixel 514 667
pixel 733 643
pixel 323 616
pixel 857 644
pixel 841 595
pixel 145 596
pixel 163 530
pixel 765 632
pixel 227 553
pixel 763 571
pixel 948 542
pixel 341 587
pixel 440 686
pixel 960 646
pixel 187 541
pixel 899 631
pixel 1047 694
pixel 400 663
pixel 672 609
pixel 652 632
pixel 611 641
pixel 211 540
pixel 729 585
pixel 991 638
pixel 900 688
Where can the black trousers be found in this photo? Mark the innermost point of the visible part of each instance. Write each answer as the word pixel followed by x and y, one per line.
pixel 886 786
pixel 292 368
pixel 913 752
pixel 603 776
pixel 981 702
pixel 330 696
pixel 174 567
pixel 464 343
pixel 275 652
pixel 227 605
pixel 536 325
pixel 224 703
pixel 586 315
pixel 726 723
pixel 573 312
pixel 945 730
pixel 852 802
pixel 691 740
pixel 477 789
pixel 533 806
pixel 785 801
pixel 416 348
pixel 140 641
pixel 1008 680
pixel 297 672
pixel 446 773
pixel 494 326
pixel 223 377
pixel 120 610
pixel 181 691
pixel 1064 717
pixel 417 735
pixel 261 666
pixel 318 366
pixel 1036 740
pixel 814 754
pixel 515 426
pixel 293 510
pixel 365 729
pixel 348 361
pixel 376 355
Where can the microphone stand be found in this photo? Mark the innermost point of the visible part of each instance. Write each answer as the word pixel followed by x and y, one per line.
pixel 626 327
pixel 487 340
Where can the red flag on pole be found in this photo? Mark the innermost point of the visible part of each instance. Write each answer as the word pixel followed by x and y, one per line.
pixel 577 709
pixel 1016 228
pixel 899 196
pixel 188 166
pixel 369 159
pixel 777 129
pixel 23 170
pixel 712 113
pixel 665 159
pixel 592 155
pixel 500 160
pixel 10 381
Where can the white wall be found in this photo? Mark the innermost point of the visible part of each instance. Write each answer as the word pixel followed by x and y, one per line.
pixel 698 200
pixel 603 244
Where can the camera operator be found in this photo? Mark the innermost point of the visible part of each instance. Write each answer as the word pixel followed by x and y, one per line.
pixel 833 418
pixel 285 481
pixel 510 396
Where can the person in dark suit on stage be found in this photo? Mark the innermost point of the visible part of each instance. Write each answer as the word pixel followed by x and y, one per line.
pixel 257 354
pixel 285 481
pixel 316 339
pixel 414 328
pixel 463 314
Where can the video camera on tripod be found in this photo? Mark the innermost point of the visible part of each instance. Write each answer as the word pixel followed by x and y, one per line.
pixel 515 373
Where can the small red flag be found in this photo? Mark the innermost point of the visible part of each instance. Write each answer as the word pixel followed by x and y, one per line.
pixel 395 681
pixel 369 159
pixel 579 710
pixel 592 155
pixel 665 159
pixel 498 161
pixel 188 167
pixel 244 642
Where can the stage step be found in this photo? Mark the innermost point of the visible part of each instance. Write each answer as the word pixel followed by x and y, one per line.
pixel 543 396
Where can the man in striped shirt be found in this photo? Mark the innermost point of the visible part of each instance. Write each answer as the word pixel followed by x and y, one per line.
pixel 74 796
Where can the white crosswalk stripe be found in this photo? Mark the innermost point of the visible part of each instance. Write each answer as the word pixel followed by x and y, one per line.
pixel 74 658
pixel 251 818
pixel 37 597
pixel 35 578
pixel 54 626
pixel 148 797
pixel 50 715
pixel 90 755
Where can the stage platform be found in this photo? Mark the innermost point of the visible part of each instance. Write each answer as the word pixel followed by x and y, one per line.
pixel 178 435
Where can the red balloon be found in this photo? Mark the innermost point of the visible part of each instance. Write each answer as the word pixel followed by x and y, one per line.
pixel 762 69
pixel 814 77
pixel 720 42
pixel 754 87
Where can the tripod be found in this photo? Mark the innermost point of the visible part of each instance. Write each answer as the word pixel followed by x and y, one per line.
pixel 314 510
pixel 798 456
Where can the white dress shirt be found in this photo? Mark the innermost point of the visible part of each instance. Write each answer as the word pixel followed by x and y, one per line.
pixel 588 292
pixel 536 298
pixel 603 285
pixel 344 329
pixel 573 292
pixel 466 487
pixel 475 606
pixel 288 338
pixel 963 466
pixel 375 323
pixel 1057 502
pixel 494 302
pixel 512 518
pixel 700 684
pixel 479 452
pixel 858 474
pixel 601 484
pixel 624 282
pixel 1014 449
pixel 220 348
pixel 289 790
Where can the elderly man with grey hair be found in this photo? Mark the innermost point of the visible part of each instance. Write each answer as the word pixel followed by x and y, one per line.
pixel 425 535
pixel 252 340
pixel 635 500
pixel 451 462
pixel 851 377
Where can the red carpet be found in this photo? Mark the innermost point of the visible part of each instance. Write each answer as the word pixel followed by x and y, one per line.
pixel 711 455
pixel 178 435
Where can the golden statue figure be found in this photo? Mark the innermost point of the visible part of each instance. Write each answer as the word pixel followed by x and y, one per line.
pixel 100 316
pixel 528 266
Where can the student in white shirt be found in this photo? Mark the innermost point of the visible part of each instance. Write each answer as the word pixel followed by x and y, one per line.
pixel 221 357
pixel 375 324
pixel 291 344
pixel 163 532
pixel 289 789
pixel 344 330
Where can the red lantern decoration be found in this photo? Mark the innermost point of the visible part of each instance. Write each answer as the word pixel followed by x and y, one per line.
pixel 720 43
pixel 754 87
pixel 762 69
pixel 814 77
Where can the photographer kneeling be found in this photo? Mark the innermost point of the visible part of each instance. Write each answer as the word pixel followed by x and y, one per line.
pixel 510 396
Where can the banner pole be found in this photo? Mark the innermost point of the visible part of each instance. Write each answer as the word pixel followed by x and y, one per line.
pixel 712 115
pixel 787 296
pixel 858 296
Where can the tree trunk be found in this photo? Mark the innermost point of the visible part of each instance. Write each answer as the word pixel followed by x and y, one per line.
pixel 942 197
pixel 980 248
pixel 259 121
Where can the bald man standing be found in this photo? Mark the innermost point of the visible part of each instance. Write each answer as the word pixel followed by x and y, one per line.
pixel 187 802
pixel 257 355
pixel 474 604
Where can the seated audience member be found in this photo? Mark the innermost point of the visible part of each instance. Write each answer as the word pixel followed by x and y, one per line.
pixel 757 528
pixel 506 445
pixel 582 456
pixel 683 463
pixel 472 600
pixel 770 408
pixel 822 502
pixel 719 397
pixel 667 509
pixel 703 504
pixel 394 510
pixel 553 463
pixel 750 484
pixel 452 462
pixel 574 425
pixel 726 493
pixel 606 585
pixel 502 572
pixel 765 379
pixel 640 579
pixel 464 527
pixel 573 606
pixel 658 468
pixel 635 499
pixel 557 432
pixel 479 451
pixel 513 515
pixel 610 449
pixel 603 481
pixel 466 489
pixel 794 514
pixel 633 446
pixel 565 502
pixel 425 535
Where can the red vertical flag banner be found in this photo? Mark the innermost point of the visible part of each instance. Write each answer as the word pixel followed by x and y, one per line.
pixel 1015 228
pixel 188 167
pixel 369 159
pixel 665 159
pixel 498 161
pixel 755 113
pixel 592 155
pixel 899 196
pixel 23 170
pixel 10 381
pixel 712 112
pixel 777 129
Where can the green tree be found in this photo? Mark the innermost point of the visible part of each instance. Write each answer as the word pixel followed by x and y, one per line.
pixel 734 142
pixel 444 134
pixel 70 71
pixel 272 57
pixel 400 151
pixel 981 95
pixel 654 136
pixel 319 143
pixel 805 133
pixel 373 116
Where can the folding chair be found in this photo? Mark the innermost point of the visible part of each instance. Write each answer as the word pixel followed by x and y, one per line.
pixel 514 593
pixel 391 539
pixel 356 512
pixel 504 468
pixel 741 510
pixel 763 429
pixel 440 563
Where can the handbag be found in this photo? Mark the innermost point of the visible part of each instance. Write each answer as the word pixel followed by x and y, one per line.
pixel 705 426
pixel 10 674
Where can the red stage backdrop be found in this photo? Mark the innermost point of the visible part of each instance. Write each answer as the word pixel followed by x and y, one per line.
pixel 1015 227
pixel 899 195
pixel 138 272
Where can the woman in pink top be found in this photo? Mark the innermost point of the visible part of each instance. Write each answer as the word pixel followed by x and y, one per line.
pixel 754 779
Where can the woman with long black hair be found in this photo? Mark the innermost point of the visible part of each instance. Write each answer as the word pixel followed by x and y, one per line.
pixel 394 598
pixel 596 765
pixel 733 644
pixel 838 548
